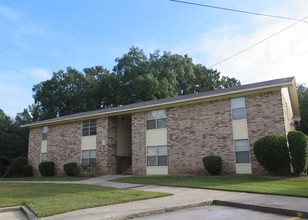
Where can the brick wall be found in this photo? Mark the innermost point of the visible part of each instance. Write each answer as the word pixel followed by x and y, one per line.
pixel 106 145
pixel 64 144
pixel 138 144
pixel 193 131
pixel 264 116
pixel 101 145
pixel 34 149
pixel 198 130
pixel 112 145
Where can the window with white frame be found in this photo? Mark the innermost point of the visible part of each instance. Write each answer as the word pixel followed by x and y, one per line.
pixel 45 133
pixel 242 151
pixel 88 158
pixel 238 108
pixel 157 155
pixel 43 157
pixel 156 119
pixel 89 128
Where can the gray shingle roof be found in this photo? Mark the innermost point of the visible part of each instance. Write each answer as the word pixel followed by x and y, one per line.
pixel 283 82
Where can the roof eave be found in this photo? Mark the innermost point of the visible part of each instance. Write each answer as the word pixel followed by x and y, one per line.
pixel 230 94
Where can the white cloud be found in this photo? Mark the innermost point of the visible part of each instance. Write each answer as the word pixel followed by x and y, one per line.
pixel 280 56
pixel 16 88
pixel 283 55
pixel 14 98
pixel 39 74
pixel 8 13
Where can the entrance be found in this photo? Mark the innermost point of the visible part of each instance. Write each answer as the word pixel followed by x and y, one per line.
pixel 124 144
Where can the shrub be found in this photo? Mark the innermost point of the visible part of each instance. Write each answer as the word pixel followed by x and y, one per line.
pixel 4 161
pixel 272 153
pixel 71 169
pixel 298 150
pixel 17 164
pixel 26 170
pixel 47 168
pixel 213 164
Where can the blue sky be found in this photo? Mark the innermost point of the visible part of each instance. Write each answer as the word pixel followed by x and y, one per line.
pixel 40 37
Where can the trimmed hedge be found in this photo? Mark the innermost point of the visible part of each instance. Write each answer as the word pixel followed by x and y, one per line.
pixel 71 169
pixel 299 151
pixel 272 153
pixel 17 164
pixel 213 164
pixel 26 170
pixel 47 168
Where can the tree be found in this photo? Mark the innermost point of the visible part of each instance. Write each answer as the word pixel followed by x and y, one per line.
pixel 304 114
pixel 13 138
pixel 163 75
pixel 302 92
pixel 135 78
pixel 68 92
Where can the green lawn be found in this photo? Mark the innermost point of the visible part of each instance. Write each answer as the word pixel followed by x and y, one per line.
pixel 51 178
pixel 257 184
pixel 46 199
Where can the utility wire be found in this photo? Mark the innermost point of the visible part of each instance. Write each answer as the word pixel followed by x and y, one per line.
pixel 303 19
pixel 236 10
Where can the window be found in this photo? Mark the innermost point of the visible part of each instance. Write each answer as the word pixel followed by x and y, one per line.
pixel 238 108
pixel 156 119
pixel 89 127
pixel 43 157
pixel 157 156
pixel 45 133
pixel 88 158
pixel 242 151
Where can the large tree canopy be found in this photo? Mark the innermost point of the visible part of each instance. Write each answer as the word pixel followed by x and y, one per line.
pixel 135 78
pixel 13 138
pixel 302 92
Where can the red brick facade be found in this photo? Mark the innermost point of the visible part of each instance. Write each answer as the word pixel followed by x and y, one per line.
pixel 64 143
pixel 193 131
pixel 106 145
pixel 138 144
pixel 264 116
pixel 34 149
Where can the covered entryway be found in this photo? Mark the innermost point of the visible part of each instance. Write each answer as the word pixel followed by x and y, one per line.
pixel 124 144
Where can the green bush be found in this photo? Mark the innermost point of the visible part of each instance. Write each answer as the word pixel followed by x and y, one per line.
pixel 17 164
pixel 47 168
pixel 71 169
pixel 213 164
pixel 272 153
pixel 4 161
pixel 298 150
pixel 26 170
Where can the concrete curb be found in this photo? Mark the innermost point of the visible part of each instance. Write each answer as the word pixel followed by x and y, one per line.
pixel 275 210
pixel 24 209
pixel 160 211
pixel 28 213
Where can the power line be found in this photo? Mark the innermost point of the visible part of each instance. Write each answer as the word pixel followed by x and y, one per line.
pixel 236 10
pixel 242 51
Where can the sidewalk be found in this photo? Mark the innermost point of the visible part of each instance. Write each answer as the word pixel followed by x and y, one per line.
pixel 183 198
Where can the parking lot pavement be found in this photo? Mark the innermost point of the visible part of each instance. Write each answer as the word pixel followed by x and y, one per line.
pixel 216 213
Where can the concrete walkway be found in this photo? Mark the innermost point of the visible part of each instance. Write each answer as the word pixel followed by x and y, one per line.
pixel 182 198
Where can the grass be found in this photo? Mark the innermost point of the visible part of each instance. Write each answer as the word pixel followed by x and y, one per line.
pixel 256 184
pixel 46 199
pixel 40 178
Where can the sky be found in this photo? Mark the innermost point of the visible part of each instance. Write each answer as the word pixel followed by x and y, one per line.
pixel 39 37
